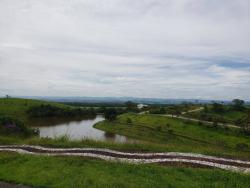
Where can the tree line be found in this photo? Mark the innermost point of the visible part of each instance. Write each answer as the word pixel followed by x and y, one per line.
pixel 46 110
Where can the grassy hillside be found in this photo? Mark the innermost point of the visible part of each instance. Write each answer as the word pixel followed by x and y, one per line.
pixel 177 135
pixel 156 133
pixel 228 115
pixel 17 108
pixel 60 172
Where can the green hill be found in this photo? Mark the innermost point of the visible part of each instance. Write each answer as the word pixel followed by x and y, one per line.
pixel 180 135
pixel 17 108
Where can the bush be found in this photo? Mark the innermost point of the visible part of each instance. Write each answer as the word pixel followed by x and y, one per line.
pixel 226 128
pixel 246 131
pixel 200 123
pixel 241 147
pixel 157 110
pixel 159 128
pixel 129 120
pixel 218 108
pixel 167 125
pixel 187 122
pixel 12 125
pixel 238 122
pixel 170 131
pixel 215 124
pixel 110 114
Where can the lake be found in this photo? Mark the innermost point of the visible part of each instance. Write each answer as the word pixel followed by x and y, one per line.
pixel 76 129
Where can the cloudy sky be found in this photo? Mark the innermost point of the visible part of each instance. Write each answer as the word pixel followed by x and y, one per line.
pixel 143 48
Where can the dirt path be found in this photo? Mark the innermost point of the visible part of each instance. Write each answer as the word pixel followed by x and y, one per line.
pixel 172 158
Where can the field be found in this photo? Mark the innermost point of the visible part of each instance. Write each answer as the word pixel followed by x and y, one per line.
pixel 155 133
pixel 227 116
pixel 17 108
pixel 177 135
pixel 59 172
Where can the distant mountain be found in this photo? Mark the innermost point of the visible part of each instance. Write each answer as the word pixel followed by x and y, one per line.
pixel 125 99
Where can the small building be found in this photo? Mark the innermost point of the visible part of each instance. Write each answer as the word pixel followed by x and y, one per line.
pixel 140 106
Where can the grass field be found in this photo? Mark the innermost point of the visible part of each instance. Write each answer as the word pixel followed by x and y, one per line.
pixel 232 116
pixel 64 142
pixel 157 133
pixel 60 172
pixel 228 116
pixel 177 135
pixel 154 133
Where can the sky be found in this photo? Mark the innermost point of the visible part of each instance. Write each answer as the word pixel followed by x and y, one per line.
pixel 197 49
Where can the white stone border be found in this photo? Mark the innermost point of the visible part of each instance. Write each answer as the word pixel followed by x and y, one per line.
pixel 70 152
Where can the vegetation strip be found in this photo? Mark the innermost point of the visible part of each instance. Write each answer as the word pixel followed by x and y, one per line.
pixel 112 155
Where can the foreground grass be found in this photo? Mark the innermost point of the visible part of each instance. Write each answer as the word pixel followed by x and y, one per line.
pixel 60 172
pixel 177 135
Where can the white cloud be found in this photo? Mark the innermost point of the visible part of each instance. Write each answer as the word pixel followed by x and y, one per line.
pixel 148 48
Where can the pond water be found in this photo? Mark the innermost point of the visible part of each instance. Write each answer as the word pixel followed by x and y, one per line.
pixel 76 129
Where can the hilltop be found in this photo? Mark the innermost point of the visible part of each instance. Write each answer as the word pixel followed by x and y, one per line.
pixel 17 108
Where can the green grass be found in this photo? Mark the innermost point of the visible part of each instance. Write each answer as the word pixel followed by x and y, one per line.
pixel 15 107
pixel 184 136
pixel 141 146
pixel 232 116
pixel 151 129
pixel 229 116
pixel 60 172
pixel 154 135
pixel 64 142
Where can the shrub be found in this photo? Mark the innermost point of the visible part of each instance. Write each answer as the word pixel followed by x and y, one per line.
pixel 218 108
pixel 159 128
pixel 187 122
pixel 225 127
pixel 157 110
pixel 215 124
pixel 129 120
pixel 110 114
pixel 167 125
pixel 170 131
pixel 238 122
pixel 200 123
pixel 12 125
pixel 241 147
pixel 246 131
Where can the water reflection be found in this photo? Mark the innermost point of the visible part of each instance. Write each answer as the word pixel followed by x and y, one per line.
pixel 75 129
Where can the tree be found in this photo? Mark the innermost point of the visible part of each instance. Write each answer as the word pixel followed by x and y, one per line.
pixel 246 123
pixel 129 120
pixel 238 104
pixel 205 108
pixel 110 114
pixel 171 110
pixel 177 112
pixel 162 110
pixel 219 108
pixel 131 106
